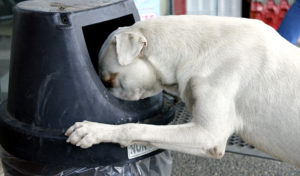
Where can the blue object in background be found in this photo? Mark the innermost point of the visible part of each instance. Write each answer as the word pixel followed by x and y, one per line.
pixel 290 25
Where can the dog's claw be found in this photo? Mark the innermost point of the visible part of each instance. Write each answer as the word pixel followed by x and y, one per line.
pixel 83 134
pixel 73 128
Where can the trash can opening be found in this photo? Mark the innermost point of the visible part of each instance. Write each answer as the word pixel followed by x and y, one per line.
pixel 96 34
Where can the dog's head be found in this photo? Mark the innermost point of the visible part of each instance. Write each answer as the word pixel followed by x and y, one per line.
pixel 124 68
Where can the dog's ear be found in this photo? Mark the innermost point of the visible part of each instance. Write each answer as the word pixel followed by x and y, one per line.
pixel 129 46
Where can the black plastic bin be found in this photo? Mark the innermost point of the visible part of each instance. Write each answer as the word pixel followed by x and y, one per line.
pixel 54 82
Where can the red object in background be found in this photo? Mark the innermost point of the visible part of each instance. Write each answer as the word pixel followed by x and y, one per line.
pixel 256 10
pixel 179 7
pixel 270 12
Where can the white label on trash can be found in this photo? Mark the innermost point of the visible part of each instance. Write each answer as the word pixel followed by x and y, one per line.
pixel 136 150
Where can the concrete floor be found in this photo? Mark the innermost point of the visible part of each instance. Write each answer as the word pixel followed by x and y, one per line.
pixel 230 165
pixel 184 165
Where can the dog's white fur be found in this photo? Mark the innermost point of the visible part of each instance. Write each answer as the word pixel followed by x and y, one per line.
pixel 234 75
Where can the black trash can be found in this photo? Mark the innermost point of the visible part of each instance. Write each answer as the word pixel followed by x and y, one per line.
pixel 54 83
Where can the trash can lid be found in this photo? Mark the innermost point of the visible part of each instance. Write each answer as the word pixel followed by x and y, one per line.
pixel 63 5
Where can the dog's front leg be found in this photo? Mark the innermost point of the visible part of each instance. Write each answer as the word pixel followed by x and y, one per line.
pixel 206 135
pixel 188 138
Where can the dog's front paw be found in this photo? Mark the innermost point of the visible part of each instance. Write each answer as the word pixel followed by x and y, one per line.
pixel 84 134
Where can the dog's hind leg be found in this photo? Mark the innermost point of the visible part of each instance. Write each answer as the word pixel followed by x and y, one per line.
pixel 206 135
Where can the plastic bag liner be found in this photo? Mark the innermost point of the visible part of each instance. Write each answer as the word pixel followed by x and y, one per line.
pixel 160 164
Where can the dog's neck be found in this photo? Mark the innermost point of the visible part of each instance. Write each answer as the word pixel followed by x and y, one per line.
pixel 165 73
pixel 168 73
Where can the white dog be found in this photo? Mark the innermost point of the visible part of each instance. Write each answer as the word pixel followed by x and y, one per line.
pixel 234 75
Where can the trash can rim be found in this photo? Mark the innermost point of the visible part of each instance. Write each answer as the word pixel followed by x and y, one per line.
pixel 63 6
